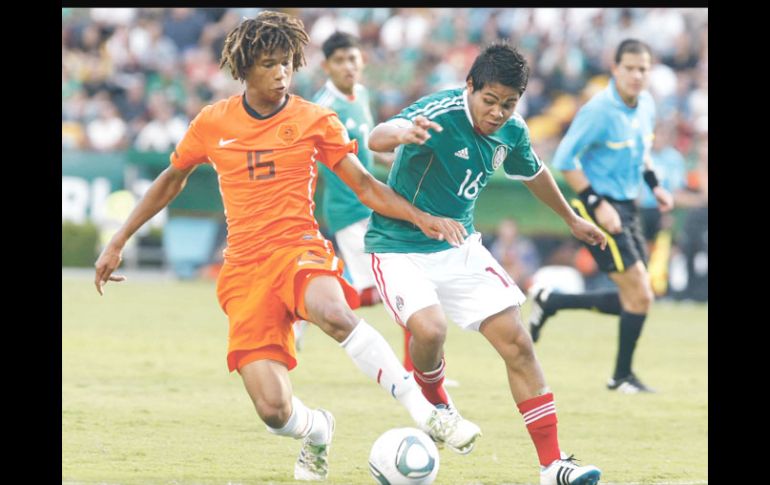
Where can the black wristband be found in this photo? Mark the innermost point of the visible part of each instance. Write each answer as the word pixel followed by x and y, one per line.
pixel 590 198
pixel 650 178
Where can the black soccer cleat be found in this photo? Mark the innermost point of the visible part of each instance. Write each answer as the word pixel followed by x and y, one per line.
pixel 539 313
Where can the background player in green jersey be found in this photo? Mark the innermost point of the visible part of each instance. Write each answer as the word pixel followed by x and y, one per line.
pixel 345 215
pixel 448 145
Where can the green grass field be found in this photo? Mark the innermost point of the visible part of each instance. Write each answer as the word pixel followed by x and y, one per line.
pixel 147 398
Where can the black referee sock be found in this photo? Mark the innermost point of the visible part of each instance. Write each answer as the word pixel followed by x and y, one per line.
pixel 602 301
pixel 630 329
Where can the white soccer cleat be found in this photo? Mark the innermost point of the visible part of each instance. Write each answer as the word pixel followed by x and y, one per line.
pixel 313 460
pixel 566 472
pixel 539 313
pixel 446 426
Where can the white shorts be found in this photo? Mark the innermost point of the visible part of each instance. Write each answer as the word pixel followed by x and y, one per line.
pixel 468 283
pixel 350 242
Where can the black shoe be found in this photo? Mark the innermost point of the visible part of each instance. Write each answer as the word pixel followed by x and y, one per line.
pixel 539 313
pixel 628 385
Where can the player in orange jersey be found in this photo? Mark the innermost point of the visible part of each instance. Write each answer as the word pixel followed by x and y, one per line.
pixel 264 145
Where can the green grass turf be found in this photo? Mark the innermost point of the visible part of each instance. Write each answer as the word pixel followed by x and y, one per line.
pixel 147 398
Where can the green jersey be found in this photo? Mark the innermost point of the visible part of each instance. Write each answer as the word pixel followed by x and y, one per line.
pixel 444 176
pixel 341 207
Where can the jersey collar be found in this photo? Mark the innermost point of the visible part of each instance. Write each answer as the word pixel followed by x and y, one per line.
pixel 336 92
pixel 467 110
pixel 254 114
pixel 617 100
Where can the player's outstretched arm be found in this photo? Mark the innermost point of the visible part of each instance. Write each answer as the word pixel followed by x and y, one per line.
pixel 382 199
pixel 385 137
pixel 162 191
pixel 544 188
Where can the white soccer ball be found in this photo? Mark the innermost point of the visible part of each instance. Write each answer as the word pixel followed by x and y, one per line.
pixel 404 456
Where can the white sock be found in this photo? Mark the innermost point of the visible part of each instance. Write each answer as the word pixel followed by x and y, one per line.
pixel 372 354
pixel 304 422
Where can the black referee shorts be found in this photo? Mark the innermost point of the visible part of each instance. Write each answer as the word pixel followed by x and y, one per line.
pixel 623 249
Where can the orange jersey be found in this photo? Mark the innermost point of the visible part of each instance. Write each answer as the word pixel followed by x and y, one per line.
pixel 266 167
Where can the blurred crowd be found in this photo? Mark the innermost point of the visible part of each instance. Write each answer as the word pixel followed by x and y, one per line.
pixel 134 77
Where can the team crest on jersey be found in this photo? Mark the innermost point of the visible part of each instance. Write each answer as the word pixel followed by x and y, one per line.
pixel 288 132
pixel 399 303
pixel 500 153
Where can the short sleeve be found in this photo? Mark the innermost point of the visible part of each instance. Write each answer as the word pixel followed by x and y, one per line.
pixel 399 123
pixel 584 132
pixel 191 149
pixel 333 143
pixel 523 163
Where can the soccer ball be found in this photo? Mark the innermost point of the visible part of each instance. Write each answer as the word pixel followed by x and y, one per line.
pixel 404 456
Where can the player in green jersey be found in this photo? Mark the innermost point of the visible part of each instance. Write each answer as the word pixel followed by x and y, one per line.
pixel 447 145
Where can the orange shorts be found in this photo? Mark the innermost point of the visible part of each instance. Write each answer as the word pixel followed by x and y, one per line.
pixel 262 300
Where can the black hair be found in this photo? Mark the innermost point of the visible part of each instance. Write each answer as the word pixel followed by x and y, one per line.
pixel 500 63
pixel 339 40
pixel 633 46
pixel 267 33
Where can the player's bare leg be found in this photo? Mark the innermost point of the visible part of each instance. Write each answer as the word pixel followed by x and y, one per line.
pixel 268 385
pixel 428 327
pixel 508 336
pixel 409 365
pixel 326 306
pixel 534 400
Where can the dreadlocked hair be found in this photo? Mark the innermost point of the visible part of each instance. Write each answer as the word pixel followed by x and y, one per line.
pixel 267 33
